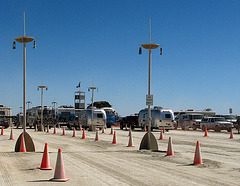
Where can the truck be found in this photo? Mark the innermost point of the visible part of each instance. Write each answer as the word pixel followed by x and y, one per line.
pixel 5 116
pixel 85 118
pixel 129 121
pixel 160 117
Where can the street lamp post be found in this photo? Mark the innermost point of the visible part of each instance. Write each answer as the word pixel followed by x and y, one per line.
pixel 42 87
pixel 28 140
pixel 92 88
pixel 149 141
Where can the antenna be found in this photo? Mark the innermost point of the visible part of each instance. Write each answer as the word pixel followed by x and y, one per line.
pixel 24 23
pixel 149 30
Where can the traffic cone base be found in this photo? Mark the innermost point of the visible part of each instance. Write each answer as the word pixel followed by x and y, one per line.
pixel 59 174
pixel 74 133
pixel 83 134
pixel 64 134
pixel 130 142
pixel 54 131
pixel 231 135
pixel 161 135
pixel 45 165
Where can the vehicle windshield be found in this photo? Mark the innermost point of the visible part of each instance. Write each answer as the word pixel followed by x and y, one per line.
pixel 229 117
pixel 220 119
pixel 194 117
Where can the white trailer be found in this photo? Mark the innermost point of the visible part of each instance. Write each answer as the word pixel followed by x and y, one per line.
pixel 85 118
pixel 160 117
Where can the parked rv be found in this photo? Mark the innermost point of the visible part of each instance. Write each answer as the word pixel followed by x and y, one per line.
pixel 5 116
pixel 85 118
pixel 65 115
pixel 160 117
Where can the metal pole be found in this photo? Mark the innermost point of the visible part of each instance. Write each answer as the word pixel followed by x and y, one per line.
pixel 42 107
pixel 149 92
pixel 92 105
pixel 24 87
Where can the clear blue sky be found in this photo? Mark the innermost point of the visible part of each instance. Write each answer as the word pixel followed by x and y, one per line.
pixel 98 39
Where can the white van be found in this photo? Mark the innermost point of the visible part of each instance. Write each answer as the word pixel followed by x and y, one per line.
pixel 85 118
pixel 160 117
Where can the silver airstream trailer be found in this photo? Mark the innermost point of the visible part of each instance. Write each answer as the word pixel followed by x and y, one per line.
pixel 85 118
pixel 160 117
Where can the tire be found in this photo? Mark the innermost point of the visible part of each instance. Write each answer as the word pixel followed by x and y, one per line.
pixel 217 129
pixel 203 128
pixel 229 130
pixel 121 127
pixel 194 127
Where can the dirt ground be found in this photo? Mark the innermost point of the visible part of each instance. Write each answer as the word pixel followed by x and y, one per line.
pixel 88 162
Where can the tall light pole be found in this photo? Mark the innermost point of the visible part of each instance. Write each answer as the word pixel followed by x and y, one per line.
pixel 28 103
pixel 54 103
pixel 92 88
pixel 28 140
pixel 42 87
pixel 149 141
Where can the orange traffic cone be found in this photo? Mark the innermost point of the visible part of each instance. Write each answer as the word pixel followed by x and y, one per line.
pixel 11 135
pixel 83 134
pixel 97 136
pixel 47 128
pixel 2 131
pixel 45 165
pixel 145 128
pixel 130 142
pixel 64 134
pixel 231 134
pixel 170 148
pixel 163 129
pixel 36 129
pixel 22 145
pixel 54 131
pixel 59 174
pixel 114 138
pixel 103 130
pixel 198 156
pixel 74 133
pixel 161 135
pixel 111 130
pixel 206 133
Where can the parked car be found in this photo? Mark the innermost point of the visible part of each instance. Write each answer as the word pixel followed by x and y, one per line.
pixel 129 121
pixel 216 123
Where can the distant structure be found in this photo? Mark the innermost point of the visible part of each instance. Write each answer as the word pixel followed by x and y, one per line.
pixel 79 100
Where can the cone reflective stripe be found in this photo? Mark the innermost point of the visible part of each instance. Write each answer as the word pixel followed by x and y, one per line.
pixel 163 129
pixel 198 156
pixel 103 130
pixel 47 128
pixel 97 136
pixel 83 134
pixel 231 134
pixel 114 138
pixel 130 142
pixel 206 133
pixel 59 174
pixel 11 135
pixel 64 134
pixel 36 129
pixel 74 133
pixel 54 131
pixel 170 151
pixel 45 165
pixel 22 145
pixel 2 131
pixel 161 135
pixel 111 130
pixel 145 128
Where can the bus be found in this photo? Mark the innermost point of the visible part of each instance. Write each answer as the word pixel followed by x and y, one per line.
pixel 111 116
